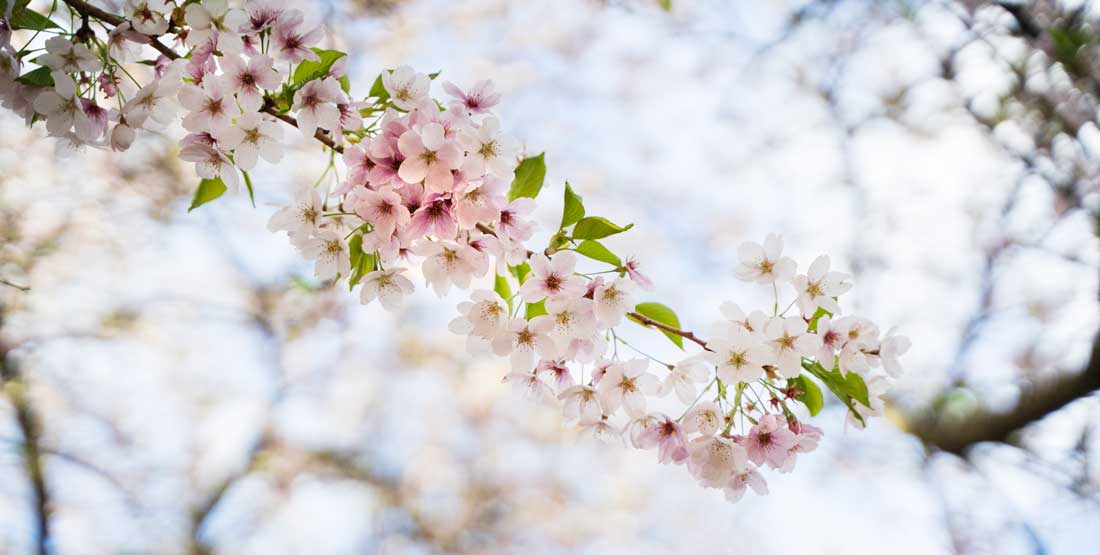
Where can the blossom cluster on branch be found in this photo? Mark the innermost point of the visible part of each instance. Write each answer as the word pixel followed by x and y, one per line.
pixel 413 181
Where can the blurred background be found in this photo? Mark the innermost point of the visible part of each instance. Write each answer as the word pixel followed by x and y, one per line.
pixel 176 383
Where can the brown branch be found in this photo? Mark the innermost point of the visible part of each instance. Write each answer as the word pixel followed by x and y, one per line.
pixel 959 435
pixel 85 9
pixel 648 322
pixel 15 386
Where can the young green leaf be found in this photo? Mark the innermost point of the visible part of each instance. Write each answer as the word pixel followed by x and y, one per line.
pixel 663 314
pixel 529 177
pixel 38 78
pixel 595 227
pixel 808 393
pixel 666 5
pixel 209 189
pixel 596 251
pixel 309 70
pixel 574 208
pixel 503 289
pixel 362 263
pixel 378 90
pixel 821 313
pixel 520 271
pixel 535 309
pixel 850 388
pixel 248 184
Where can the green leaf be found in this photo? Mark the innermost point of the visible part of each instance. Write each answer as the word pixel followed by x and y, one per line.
pixel 849 388
pixel 529 177
pixel 596 251
pixel 248 184
pixel 595 227
pixel 24 18
pixel 378 90
pixel 503 289
pixel 662 314
pixel 574 208
pixel 309 70
pixel 809 393
pixel 345 84
pixel 535 309
pixel 520 271
pixel 666 5
pixel 209 189
pixel 821 313
pixel 38 78
pixel 362 263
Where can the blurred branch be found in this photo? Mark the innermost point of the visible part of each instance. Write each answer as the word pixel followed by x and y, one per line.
pixel 15 386
pixel 22 288
pixel 958 436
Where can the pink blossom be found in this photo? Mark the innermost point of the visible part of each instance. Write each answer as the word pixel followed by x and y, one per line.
pixel 433 218
pixel 631 266
pixel 316 105
pixel 770 441
pixel 429 157
pixel 512 223
pixel 557 371
pixel 740 482
pixel 552 278
pixel 382 209
pixel 479 100
pixel 248 80
pixel 521 340
pixel 667 436
pixel 290 43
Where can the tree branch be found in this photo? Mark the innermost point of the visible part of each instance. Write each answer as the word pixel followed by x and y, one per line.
pixel 15 386
pixel 959 435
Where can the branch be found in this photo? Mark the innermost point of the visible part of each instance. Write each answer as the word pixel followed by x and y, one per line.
pixel 16 388
pixel 955 436
pixel 85 9
pixel 647 322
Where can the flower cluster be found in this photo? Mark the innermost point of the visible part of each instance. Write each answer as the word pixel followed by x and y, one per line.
pixel 418 186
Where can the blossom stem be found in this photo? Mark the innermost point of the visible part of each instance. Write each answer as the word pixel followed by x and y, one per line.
pixel 700 396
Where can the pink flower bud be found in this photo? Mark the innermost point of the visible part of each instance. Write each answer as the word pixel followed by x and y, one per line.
pixel 122 136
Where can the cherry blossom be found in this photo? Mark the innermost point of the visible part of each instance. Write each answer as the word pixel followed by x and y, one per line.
pixel 739 356
pixel 487 151
pixel 148 16
pixel 388 286
pixel 301 218
pixel 764 264
pixel 818 287
pixel 429 157
pixel 253 136
pixel 247 80
pixel 612 301
pixel 65 56
pixel 480 99
pixel 316 105
pixel 581 402
pixel 683 379
pixel 331 254
pixel 552 278
pixel 627 384
pixel 789 342
pixel 407 88
pixel 521 340
pixel 770 441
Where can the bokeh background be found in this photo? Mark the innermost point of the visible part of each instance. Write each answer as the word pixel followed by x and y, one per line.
pixel 176 383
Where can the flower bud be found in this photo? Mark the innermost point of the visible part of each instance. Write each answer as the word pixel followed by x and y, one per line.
pixel 122 137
